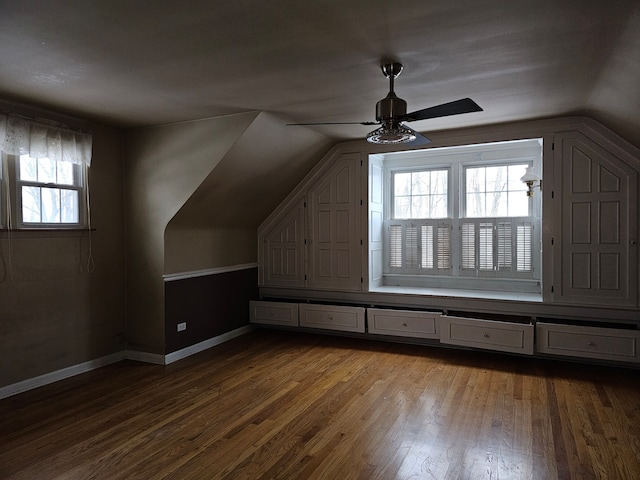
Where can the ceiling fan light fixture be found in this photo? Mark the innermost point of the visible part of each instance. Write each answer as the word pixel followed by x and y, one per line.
pixel 391 134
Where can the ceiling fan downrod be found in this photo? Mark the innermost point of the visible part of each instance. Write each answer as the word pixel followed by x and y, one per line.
pixel 391 106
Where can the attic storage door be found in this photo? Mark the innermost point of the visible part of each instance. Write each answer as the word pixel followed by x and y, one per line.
pixel 284 250
pixel 334 227
pixel 598 224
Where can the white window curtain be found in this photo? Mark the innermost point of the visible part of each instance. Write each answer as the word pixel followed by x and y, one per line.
pixel 19 136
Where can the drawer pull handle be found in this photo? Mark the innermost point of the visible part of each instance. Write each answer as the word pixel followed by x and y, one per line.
pixel 485 335
pixel 329 317
pixel 590 343
pixel 404 324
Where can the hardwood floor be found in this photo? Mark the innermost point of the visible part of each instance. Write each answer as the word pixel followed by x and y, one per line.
pixel 286 405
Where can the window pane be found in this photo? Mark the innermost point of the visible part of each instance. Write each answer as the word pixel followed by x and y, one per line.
pixel 515 173
pixel 518 204
pixel 65 173
pixel 496 204
pixel 495 191
pixel 28 168
pixel 68 206
pixel 402 207
pixel 50 205
pixel 421 194
pixel 439 182
pixel 496 179
pixel 30 204
pixel 46 170
pixel 420 183
pixel 420 207
pixel 475 204
pixel 475 180
pixel 402 184
pixel 439 206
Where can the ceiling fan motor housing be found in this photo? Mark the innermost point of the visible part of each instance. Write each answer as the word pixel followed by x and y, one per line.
pixel 391 107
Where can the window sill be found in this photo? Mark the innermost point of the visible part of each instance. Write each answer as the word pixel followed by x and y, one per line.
pixel 44 232
pixel 459 293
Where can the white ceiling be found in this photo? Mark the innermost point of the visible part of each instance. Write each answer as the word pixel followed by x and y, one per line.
pixel 135 63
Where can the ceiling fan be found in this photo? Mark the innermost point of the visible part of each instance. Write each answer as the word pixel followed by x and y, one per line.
pixel 391 111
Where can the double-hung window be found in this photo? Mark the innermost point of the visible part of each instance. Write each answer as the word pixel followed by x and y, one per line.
pixel 419 234
pixel 43 176
pixel 49 192
pixel 460 217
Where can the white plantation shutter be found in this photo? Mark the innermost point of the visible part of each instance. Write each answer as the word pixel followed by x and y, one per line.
pixel 485 246
pixel 492 247
pixel 420 247
pixel 395 246
pixel 468 241
pixel 524 242
pixel 426 258
pixel 504 247
pixel 411 246
pixel 444 247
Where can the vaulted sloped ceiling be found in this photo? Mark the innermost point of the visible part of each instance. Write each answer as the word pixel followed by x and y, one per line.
pixel 139 63
pixel 251 180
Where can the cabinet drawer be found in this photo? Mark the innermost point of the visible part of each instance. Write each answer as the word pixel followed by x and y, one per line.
pixel 589 342
pixel 487 334
pixel 402 323
pixel 274 313
pixel 331 317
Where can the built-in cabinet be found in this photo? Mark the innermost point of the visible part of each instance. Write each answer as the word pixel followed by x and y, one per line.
pixel 518 336
pixel 595 239
pixel 317 242
pixel 324 243
pixel 487 334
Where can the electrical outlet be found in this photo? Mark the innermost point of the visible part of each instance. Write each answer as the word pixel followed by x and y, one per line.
pixel 182 326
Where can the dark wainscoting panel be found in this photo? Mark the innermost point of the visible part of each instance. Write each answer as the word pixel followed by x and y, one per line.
pixel 210 305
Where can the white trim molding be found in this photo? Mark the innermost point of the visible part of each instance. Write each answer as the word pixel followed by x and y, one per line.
pixel 135 355
pixel 144 357
pixel 47 378
pixel 205 344
pixel 169 277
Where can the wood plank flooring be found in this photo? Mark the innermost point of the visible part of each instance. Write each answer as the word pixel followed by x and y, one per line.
pixel 287 405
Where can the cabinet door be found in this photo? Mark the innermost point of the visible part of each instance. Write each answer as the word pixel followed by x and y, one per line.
pixel 284 250
pixel 334 241
pixel 598 225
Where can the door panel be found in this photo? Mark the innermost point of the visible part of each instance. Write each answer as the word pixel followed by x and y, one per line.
pixel 334 220
pixel 598 225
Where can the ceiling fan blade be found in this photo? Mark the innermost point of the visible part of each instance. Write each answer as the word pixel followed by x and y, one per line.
pixel 420 138
pixel 333 123
pixel 466 105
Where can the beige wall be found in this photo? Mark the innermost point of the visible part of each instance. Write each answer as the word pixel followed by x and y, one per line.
pixel 53 312
pixel 191 249
pixel 164 199
pixel 217 225
pixel 164 166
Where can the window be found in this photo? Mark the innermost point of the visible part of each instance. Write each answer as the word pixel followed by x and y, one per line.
pixel 47 194
pixel 42 179
pixel 460 217
pixel 50 193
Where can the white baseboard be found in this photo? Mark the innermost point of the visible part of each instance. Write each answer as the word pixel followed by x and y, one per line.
pixel 212 342
pixel 47 378
pixel 146 357
pixel 135 355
